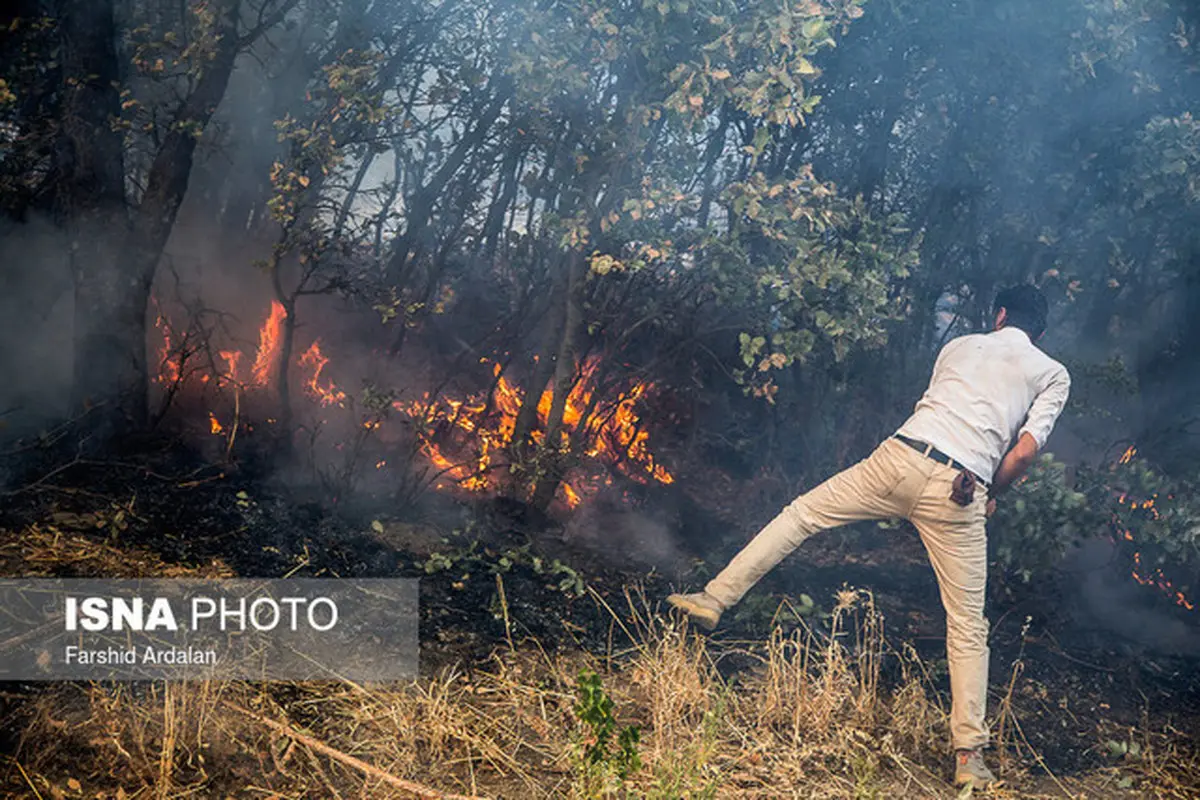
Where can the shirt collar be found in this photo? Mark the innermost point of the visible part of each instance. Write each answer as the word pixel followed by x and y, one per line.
pixel 1011 331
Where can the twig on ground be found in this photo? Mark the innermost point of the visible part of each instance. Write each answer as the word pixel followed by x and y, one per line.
pixel 200 481
pixel 349 760
pixel 79 461
pixel 504 608
pixel 25 775
pixel 1058 650
pixel 51 437
pixel 1038 757
pixel 42 480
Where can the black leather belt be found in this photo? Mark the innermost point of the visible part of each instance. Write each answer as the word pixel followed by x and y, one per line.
pixel 930 451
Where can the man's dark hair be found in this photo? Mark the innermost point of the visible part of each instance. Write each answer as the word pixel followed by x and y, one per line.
pixel 1026 308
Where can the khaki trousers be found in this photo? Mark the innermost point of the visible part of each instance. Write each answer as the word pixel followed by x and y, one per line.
pixel 897 481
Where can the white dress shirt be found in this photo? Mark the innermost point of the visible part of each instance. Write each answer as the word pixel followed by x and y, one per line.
pixel 986 390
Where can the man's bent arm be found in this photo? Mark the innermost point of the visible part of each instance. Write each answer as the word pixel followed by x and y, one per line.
pixel 1046 407
pixel 1033 435
pixel 1015 462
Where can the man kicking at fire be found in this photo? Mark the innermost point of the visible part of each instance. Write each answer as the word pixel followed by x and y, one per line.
pixel 987 390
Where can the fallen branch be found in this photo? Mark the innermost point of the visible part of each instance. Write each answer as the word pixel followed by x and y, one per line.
pixel 79 461
pixel 40 481
pixel 349 760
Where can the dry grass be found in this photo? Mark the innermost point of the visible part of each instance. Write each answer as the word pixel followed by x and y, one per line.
pixel 813 719
pixel 67 546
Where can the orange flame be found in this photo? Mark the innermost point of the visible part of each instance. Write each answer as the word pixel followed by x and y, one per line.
pixel 268 345
pixel 611 432
pixel 466 439
pixel 232 359
pixel 621 432
pixel 1140 573
pixel 169 363
pixel 328 394
pixel 1159 580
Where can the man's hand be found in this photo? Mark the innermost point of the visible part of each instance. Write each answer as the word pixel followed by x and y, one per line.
pixel 991 506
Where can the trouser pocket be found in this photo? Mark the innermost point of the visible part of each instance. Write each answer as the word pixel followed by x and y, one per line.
pixel 887 471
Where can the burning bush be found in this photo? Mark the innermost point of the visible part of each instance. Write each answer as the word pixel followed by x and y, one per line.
pixel 468 441
pixel 1151 520
pixel 471 440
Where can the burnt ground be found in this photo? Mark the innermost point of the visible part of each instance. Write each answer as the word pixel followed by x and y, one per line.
pixel 1079 685
pixel 1080 690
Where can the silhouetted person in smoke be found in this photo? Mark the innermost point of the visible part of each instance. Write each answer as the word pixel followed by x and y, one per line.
pixel 987 391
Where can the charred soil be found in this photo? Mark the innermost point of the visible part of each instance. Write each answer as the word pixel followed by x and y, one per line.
pixel 514 609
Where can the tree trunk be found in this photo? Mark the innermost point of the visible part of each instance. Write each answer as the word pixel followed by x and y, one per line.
pixel 873 165
pixel 114 257
pixel 564 381
pixel 110 303
pixel 352 193
pixel 286 347
pixel 1167 355
pixel 507 184
pixel 419 209
pixel 385 209
pixel 543 371
pixel 167 182
pixel 716 146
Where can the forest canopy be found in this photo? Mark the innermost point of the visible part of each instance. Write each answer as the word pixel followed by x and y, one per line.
pixel 743 229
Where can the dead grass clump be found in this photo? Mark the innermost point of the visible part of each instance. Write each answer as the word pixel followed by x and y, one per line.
pixel 486 722
pixel 817 715
pixel 915 717
pixel 71 547
pixel 127 739
pixel 217 739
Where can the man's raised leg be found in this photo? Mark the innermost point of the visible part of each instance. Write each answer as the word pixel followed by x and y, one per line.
pixel 867 490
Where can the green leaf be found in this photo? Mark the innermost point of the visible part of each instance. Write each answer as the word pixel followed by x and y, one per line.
pixel 814 28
